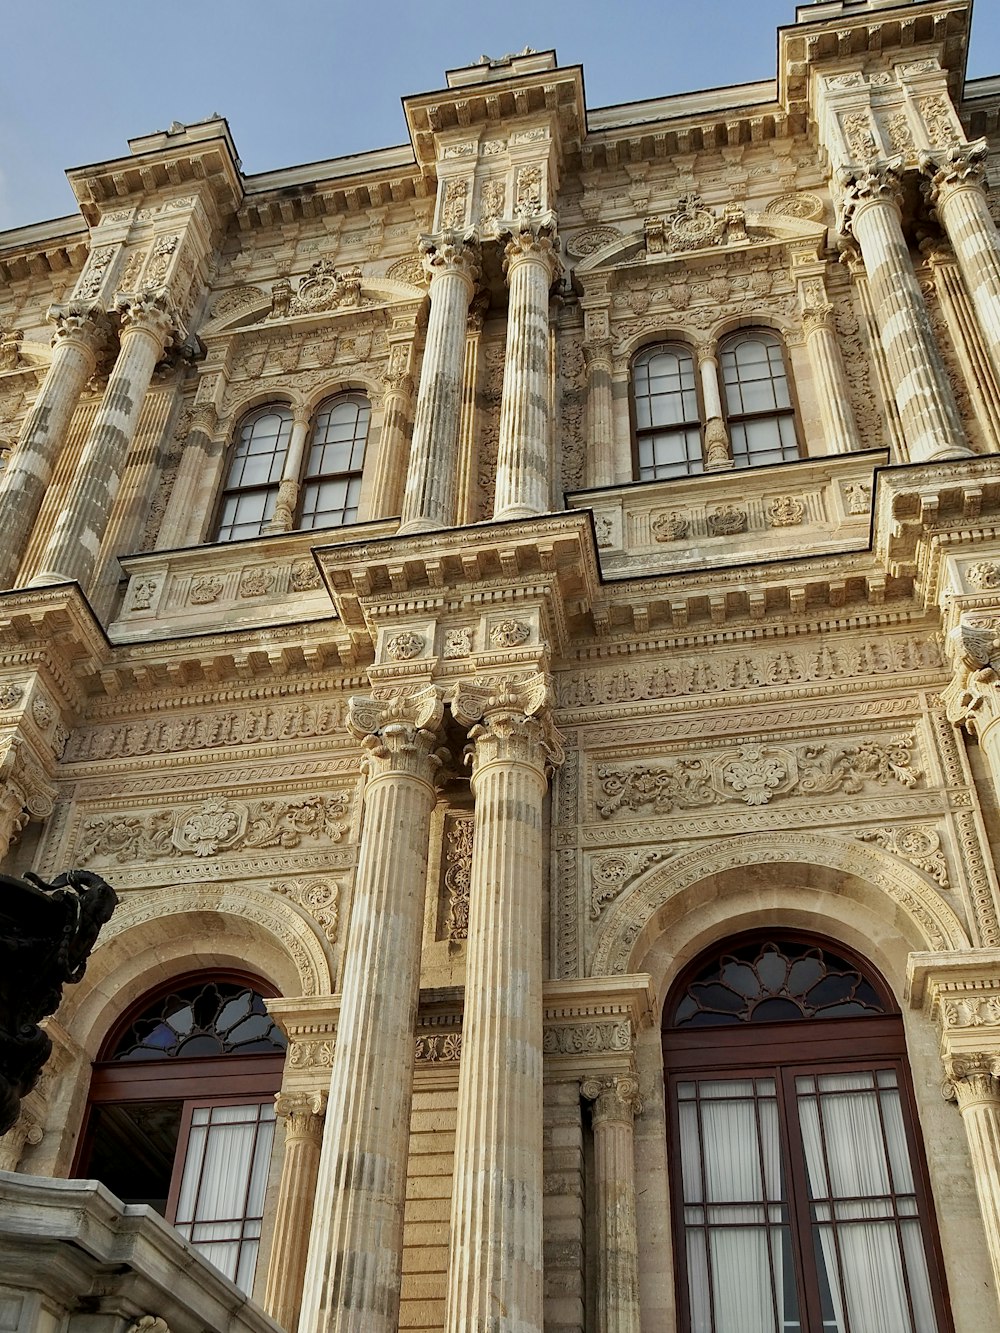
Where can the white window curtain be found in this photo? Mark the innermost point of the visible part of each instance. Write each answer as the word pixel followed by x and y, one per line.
pixel 221 1200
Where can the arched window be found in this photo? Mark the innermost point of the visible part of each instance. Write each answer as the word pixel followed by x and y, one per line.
pixel 759 412
pixel 667 417
pixel 181 1114
pixel 332 483
pixel 799 1194
pixel 254 473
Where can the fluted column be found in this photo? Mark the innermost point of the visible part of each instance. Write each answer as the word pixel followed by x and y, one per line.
pixel 927 411
pixel 452 260
pixel 958 190
pixel 531 264
pixel 981 381
pixel 839 426
pixel 146 328
pixel 616 1104
pixel 81 334
pixel 302 1115
pixel 397 415
pixel 356 1244
pixel 718 446
pixel 600 414
pixel 468 452
pixel 495 1250
pixel 976 1089
pixel 287 502
pixel 184 518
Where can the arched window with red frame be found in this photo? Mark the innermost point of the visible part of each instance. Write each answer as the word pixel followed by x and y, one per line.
pixel 799 1189
pixel 181 1113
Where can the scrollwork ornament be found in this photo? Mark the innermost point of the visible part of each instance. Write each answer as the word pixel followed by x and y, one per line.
pixel 399 735
pixel 509 718
pixel 669 527
pixel 615 1099
pixel 984 575
pixel 404 646
pixel 509 633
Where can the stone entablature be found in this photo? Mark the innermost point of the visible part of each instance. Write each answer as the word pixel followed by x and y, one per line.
pixel 823 505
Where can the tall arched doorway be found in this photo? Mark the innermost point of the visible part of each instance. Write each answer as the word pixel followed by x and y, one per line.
pixel 181 1113
pixel 799 1191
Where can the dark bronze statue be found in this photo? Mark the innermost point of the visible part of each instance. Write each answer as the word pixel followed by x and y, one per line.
pixel 46 934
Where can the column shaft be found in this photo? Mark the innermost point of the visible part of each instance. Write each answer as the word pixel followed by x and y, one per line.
pixel 718 446
pixel 615 1103
pixel 302 1114
pixel 927 410
pixel 960 197
pixel 76 540
pixel 893 425
pixel 978 1098
pixel 523 481
pixel 981 380
pixel 184 517
pixel 600 415
pixel 283 519
pixel 390 462
pixel 79 336
pixel 429 501
pixel 353 1274
pixel 495 1256
pixel 839 425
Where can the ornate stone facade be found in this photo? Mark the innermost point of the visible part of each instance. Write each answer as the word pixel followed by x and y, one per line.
pixel 466 769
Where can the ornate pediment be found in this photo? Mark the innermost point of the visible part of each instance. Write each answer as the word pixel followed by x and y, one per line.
pixel 323 290
pixel 695 229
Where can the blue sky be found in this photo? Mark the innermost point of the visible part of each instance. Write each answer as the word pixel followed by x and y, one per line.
pixel 307 79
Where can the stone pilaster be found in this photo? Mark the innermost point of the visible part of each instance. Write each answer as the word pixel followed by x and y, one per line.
pixel 531 264
pixel 451 259
pixel 928 415
pixel 356 1243
pixel 981 381
pixel 302 1114
pixel 183 520
pixel 146 328
pixel 615 1106
pixel 81 334
pixel 495 1257
pixel 975 1086
pixel 25 1132
pixel 600 414
pixel 718 446
pixel 287 503
pixel 839 426
pixel 397 418
pixel 468 452
pixel 851 258
pixel 958 191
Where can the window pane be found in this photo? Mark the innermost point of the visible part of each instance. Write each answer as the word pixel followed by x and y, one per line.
pixel 332 487
pixel 663 386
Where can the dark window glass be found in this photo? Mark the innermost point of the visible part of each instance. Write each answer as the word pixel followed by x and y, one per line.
pixel 759 411
pixel 332 483
pixel 667 420
pixel 254 473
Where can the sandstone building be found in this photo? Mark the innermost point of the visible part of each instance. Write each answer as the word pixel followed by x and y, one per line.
pixel 516 618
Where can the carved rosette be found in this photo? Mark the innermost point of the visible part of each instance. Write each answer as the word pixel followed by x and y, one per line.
pixel 615 1099
pixel 399 735
pixel 510 720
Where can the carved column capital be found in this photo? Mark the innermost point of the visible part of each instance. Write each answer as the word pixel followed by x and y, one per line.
pixel 973 1079
pixel 400 735
pixel 149 313
pixel 972 698
pixel 302 1113
pixel 204 418
pixel 83 323
pixel 25 1132
pixel 963 166
pixel 599 355
pixel 510 719
pixel 452 252
pixel 876 184
pixel 615 1098
pixel 531 237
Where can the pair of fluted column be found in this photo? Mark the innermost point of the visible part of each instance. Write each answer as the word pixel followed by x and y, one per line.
pixel 82 332
pixel 353 1274
pixel 452 261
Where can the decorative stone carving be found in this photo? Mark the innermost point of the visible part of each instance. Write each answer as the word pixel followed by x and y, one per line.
pixel 149 1323
pixel 614 872
pixel 159 261
pixel 798 204
pixel 753 774
pixel 588 242
pixel 10 348
pixel 939 119
pixel 10 695
pixel 305 576
pixel 92 278
pixel 603 531
pixel 528 191
pixel 434 1048
pixel 984 575
pixel 404 646
pixel 143 592
pixel 319 898
pixel 237 300
pixel 205 588
pixel 212 828
pixel 456 204
pixel 920 844
pixel 858 496
pixel 588 1038
pixel 457 643
pixel 457 872
pixel 726 521
pixel 859 136
pixel 326 288
pixel 509 633
pixel 785 512
pixel 256 582
pixel 669 527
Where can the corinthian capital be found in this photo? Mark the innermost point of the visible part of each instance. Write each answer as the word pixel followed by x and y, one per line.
pixel 452 252
pixel 972 698
pixel 530 236
pixel 302 1113
pixel 510 718
pixel 955 167
pixel 400 735
pixel 616 1099
pixel 82 322
pixel 878 183
pixel 972 1079
pixel 148 312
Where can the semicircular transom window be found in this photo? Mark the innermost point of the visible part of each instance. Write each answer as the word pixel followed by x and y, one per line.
pixel 216 1018
pixel 776 983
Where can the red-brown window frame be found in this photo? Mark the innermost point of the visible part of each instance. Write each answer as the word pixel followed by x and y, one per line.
pixel 775 1050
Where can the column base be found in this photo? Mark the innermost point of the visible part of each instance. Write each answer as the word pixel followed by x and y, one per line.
pixel 419 525
pixel 517 511
pixel 47 578
pixel 940 455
